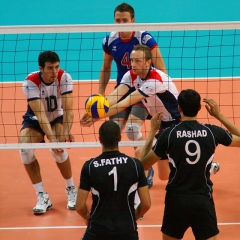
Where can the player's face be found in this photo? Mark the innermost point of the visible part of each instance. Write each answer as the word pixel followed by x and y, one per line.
pixel 140 65
pixel 124 17
pixel 50 72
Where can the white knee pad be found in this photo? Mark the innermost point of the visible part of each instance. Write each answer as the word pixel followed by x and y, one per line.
pixel 62 158
pixel 120 125
pixel 27 155
pixel 133 131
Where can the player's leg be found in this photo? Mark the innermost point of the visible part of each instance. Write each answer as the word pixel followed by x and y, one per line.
pixel 134 124
pixel 32 133
pixel 64 165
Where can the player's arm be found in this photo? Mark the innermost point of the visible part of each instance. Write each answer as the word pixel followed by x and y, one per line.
pixel 157 60
pixel 213 109
pixel 39 111
pixel 117 93
pixel 105 73
pixel 145 202
pixel 148 157
pixel 131 99
pixel 81 206
pixel 67 105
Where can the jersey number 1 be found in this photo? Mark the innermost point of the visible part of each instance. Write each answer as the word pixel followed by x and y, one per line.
pixel 114 172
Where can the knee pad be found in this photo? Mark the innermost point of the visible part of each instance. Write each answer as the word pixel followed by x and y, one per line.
pixel 133 131
pixel 60 159
pixel 27 155
pixel 120 125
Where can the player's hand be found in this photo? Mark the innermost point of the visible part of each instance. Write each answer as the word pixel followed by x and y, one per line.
pixel 69 138
pixel 57 151
pixel 87 121
pixel 156 121
pixel 212 107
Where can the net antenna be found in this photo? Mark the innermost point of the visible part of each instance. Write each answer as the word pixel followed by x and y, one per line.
pixel 204 56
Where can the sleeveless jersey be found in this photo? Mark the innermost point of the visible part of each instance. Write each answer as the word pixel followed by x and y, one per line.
pixel 121 49
pixel 190 147
pixel 113 179
pixel 160 92
pixel 49 94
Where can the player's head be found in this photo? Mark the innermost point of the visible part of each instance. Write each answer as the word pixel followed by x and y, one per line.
pixel 189 102
pixel 109 135
pixel 124 13
pixel 141 59
pixel 49 62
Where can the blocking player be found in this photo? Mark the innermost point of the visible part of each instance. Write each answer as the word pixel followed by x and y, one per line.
pixel 49 112
pixel 118 46
pixel 113 179
pixel 190 147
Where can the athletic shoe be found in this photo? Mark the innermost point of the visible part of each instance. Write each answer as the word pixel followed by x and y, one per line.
pixel 71 193
pixel 215 167
pixel 43 203
pixel 150 177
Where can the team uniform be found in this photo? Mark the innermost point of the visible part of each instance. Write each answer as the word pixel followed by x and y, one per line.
pixel 160 92
pixel 113 178
pixel 120 50
pixel 50 96
pixel 190 148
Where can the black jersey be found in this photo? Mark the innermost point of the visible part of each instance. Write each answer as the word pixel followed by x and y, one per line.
pixel 190 148
pixel 113 179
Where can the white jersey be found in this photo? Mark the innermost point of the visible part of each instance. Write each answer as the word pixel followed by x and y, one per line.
pixel 49 94
pixel 160 92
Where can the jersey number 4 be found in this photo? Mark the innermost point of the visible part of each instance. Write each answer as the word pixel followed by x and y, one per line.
pixel 125 61
pixel 51 103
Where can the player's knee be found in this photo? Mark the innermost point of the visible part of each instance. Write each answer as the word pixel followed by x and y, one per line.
pixel 120 124
pixel 27 155
pixel 60 159
pixel 133 131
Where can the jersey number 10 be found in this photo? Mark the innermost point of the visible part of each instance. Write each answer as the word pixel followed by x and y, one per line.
pixel 51 103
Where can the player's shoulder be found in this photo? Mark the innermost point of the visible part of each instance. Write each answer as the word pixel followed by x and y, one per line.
pixel 108 39
pixel 33 77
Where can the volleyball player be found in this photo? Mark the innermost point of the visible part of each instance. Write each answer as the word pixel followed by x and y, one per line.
pixel 190 148
pixel 113 178
pixel 49 112
pixel 118 46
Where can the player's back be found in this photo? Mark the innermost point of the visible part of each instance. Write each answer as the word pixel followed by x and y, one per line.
pixel 114 179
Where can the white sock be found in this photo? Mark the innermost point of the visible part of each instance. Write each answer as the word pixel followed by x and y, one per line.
pixel 39 187
pixel 69 182
pixel 136 200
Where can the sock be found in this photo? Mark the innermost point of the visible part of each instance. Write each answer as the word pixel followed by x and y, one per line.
pixel 39 187
pixel 69 182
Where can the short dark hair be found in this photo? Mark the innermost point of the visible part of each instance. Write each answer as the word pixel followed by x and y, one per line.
pixel 109 133
pixel 47 56
pixel 145 49
pixel 190 102
pixel 124 7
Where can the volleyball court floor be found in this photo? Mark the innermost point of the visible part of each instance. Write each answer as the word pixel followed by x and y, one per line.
pixel 17 195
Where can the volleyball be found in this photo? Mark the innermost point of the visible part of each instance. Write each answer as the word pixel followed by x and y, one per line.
pixel 96 106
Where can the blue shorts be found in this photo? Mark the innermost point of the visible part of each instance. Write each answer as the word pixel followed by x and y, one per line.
pixel 29 122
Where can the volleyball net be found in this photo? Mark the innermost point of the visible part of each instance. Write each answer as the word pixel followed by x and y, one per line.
pixel 202 56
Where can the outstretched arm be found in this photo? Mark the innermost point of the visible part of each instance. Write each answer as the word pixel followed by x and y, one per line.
pixel 213 109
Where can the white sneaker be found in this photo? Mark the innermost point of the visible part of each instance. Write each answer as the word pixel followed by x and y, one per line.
pixel 43 203
pixel 71 196
pixel 215 167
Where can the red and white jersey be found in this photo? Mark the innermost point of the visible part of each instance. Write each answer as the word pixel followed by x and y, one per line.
pixel 50 94
pixel 160 92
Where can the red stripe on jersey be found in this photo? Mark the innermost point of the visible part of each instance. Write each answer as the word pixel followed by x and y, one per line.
pixel 153 47
pixel 154 75
pixel 128 39
pixel 59 77
pixel 108 53
pixel 34 77
pixel 133 76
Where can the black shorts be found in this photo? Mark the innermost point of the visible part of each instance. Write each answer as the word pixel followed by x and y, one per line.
pixel 182 212
pixel 91 235
pixel 29 122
